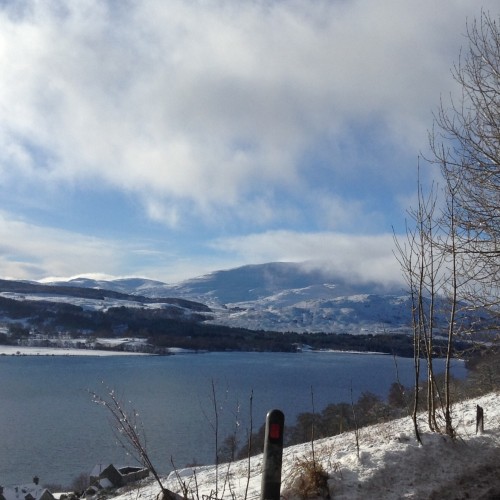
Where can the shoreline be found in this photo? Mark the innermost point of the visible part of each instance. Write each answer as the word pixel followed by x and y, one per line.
pixel 12 350
pixel 9 350
pixel 21 351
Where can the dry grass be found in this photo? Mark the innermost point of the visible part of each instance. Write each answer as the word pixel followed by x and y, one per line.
pixel 307 479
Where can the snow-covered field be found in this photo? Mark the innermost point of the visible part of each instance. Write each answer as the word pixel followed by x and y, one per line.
pixel 9 350
pixel 390 466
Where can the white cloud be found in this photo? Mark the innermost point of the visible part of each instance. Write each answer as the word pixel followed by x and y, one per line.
pixel 217 117
pixel 35 252
pixel 358 258
pixel 29 251
pixel 336 212
pixel 157 211
pixel 209 101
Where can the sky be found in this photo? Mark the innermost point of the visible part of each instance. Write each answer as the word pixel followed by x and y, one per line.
pixel 171 139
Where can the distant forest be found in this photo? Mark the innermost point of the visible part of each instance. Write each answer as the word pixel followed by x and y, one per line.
pixel 170 326
pixel 172 323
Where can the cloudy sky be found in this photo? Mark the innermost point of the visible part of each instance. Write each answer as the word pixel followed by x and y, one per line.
pixel 170 139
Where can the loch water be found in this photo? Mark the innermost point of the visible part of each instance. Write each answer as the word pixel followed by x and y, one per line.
pixel 50 427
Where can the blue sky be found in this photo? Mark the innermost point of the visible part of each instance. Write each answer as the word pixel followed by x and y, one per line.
pixel 171 139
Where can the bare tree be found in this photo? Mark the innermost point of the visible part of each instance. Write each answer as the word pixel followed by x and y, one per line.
pixel 451 245
pixel 465 143
pixel 421 266
pixel 428 258
pixel 130 434
pixel 249 445
pixel 452 254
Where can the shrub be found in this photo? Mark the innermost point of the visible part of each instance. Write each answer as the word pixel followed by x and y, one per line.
pixel 308 479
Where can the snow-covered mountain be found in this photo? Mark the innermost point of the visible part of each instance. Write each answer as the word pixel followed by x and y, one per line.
pixel 280 297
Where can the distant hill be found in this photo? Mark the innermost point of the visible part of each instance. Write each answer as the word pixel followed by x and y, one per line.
pixel 241 284
pixel 279 296
pixel 266 307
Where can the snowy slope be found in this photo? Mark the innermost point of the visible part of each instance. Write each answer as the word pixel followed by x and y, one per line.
pixel 280 297
pixel 307 310
pixel 246 283
pixel 302 298
pixel 390 466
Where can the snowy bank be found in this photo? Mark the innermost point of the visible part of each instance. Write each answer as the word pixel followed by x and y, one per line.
pixel 391 465
pixel 9 350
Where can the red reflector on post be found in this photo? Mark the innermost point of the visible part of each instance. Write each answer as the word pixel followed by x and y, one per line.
pixel 274 431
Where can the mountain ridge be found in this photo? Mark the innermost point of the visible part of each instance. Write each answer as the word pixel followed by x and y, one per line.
pixel 243 283
pixel 274 306
pixel 277 296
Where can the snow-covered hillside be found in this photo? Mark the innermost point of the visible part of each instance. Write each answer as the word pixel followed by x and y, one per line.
pixel 307 310
pixel 390 465
pixel 281 297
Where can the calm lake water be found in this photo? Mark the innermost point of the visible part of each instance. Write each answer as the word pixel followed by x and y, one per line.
pixel 50 427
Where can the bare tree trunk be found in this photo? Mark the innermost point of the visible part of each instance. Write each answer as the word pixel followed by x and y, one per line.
pixel 405 255
pixel 216 436
pixel 249 452
pixel 421 264
pixel 451 326
pixel 416 365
